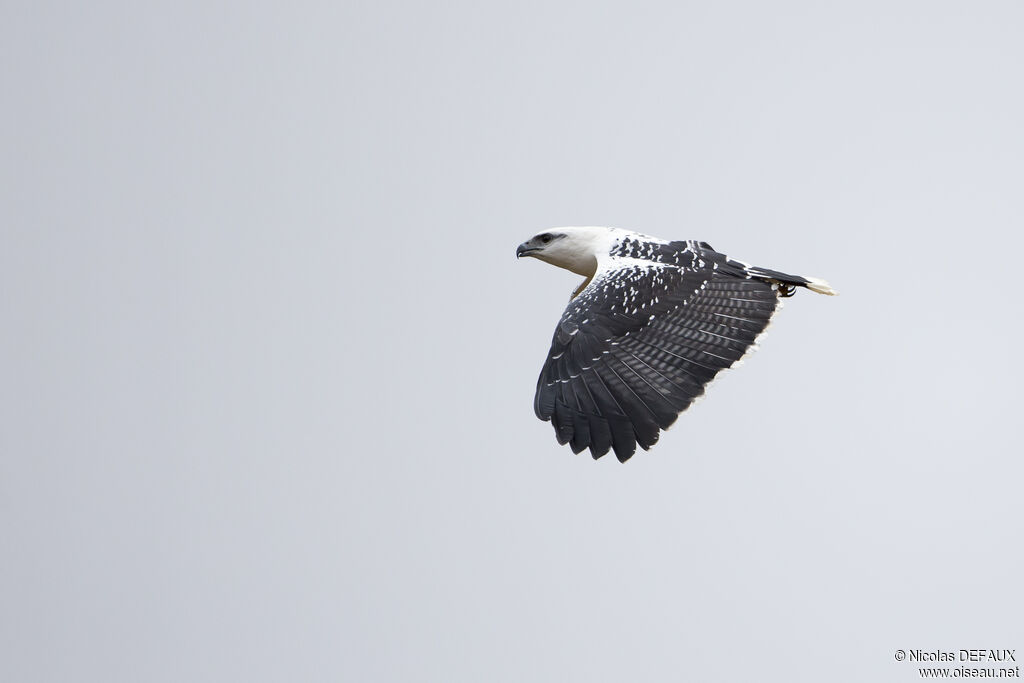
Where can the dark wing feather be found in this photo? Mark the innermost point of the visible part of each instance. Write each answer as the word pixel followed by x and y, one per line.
pixel 641 342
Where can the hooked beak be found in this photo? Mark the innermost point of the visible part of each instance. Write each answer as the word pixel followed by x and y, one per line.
pixel 525 249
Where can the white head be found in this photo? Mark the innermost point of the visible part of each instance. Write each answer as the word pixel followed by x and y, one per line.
pixel 575 249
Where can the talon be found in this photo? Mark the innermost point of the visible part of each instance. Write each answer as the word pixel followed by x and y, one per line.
pixel 786 290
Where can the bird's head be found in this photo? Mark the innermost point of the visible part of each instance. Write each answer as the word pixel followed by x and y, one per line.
pixel 575 249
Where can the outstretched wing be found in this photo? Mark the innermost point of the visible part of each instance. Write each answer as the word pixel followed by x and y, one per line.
pixel 641 342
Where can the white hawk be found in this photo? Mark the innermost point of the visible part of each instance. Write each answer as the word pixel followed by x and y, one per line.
pixel 653 323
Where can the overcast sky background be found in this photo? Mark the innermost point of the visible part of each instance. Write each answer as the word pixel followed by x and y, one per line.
pixel 268 360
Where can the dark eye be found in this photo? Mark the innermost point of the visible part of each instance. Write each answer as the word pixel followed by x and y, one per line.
pixel 545 238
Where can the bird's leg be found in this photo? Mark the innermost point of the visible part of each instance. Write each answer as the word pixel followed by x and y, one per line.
pixel 786 290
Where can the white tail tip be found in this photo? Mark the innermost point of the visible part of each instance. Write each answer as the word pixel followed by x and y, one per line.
pixel 820 286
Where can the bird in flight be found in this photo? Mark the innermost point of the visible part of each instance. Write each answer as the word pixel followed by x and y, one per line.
pixel 651 325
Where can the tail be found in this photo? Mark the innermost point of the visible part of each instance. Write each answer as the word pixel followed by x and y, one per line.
pixel 785 281
pixel 816 284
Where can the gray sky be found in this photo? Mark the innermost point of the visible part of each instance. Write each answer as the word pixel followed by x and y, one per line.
pixel 269 359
